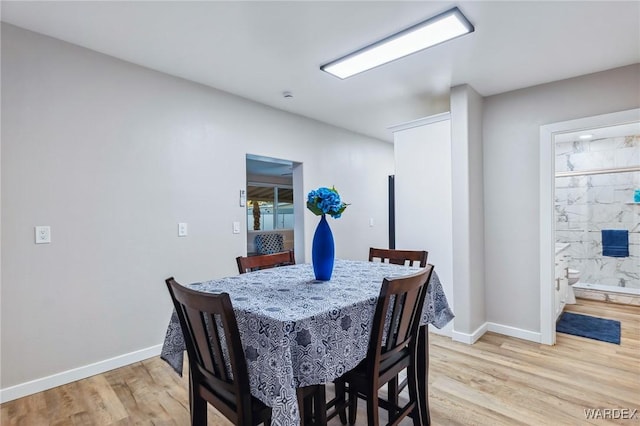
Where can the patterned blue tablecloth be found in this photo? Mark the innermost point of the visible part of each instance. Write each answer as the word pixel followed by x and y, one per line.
pixel 299 332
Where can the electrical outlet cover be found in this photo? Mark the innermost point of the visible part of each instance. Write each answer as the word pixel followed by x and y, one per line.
pixel 43 234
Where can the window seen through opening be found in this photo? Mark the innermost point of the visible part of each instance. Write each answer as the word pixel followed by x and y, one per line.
pixel 269 207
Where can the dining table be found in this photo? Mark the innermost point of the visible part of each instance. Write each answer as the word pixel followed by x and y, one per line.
pixel 297 331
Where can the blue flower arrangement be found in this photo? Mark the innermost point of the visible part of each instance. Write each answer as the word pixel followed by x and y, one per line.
pixel 326 201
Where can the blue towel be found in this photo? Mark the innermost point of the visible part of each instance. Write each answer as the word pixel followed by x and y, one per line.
pixel 615 242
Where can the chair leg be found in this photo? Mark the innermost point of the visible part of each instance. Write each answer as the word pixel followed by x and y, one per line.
pixel 306 411
pixel 305 405
pixel 198 411
pixel 353 404
pixel 341 400
pixel 312 403
pixel 422 372
pixel 372 408
pixel 320 406
pixel 414 394
pixel 197 405
pixel 392 391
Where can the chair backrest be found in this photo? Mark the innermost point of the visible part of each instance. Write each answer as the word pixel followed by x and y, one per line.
pixel 399 257
pixel 269 243
pixel 253 263
pixel 396 321
pixel 216 359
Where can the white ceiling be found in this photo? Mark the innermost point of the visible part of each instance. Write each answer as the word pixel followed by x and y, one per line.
pixel 258 50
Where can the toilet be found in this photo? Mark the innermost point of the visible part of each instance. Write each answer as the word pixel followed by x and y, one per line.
pixel 574 277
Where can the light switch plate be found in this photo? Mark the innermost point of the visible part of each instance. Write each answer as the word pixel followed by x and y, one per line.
pixel 236 227
pixel 182 229
pixel 43 234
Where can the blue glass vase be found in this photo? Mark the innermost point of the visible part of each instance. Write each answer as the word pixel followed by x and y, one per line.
pixel 322 251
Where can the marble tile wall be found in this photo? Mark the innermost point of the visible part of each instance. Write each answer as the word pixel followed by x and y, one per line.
pixel 587 204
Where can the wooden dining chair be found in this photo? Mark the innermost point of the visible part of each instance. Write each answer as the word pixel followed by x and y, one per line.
pixel 399 257
pixel 253 263
pixel 392 348
pixel 218 372
pixel 217 366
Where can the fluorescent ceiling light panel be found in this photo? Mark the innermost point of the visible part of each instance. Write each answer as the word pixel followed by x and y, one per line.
pixel 445 26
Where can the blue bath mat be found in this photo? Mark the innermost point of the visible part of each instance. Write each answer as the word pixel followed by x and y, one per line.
pixel 591 327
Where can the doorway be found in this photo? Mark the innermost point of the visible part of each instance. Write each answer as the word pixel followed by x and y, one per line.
pixel 549 135
pixel 273 201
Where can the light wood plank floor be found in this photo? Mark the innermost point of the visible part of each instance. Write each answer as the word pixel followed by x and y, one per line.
pixel 497 381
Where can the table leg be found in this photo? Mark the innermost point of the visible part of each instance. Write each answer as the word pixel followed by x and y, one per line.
pixel 422 371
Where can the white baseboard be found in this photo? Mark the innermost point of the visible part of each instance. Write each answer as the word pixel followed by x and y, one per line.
pixel 58 379
pixel 469 339
pixel 533 336
pixel 496 328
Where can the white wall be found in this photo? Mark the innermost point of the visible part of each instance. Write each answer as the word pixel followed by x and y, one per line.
pixel 439 203
pixel 511 138
pixel 468 213
pixel 112 156
pixel 423 209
